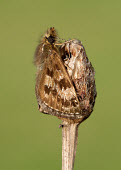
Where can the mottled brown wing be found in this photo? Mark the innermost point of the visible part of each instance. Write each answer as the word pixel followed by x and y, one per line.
pixel 54 89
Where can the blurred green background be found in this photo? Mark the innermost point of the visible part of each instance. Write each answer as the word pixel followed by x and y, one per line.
pixel 30 140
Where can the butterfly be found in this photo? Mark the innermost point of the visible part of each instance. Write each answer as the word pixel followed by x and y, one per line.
pixel 65 84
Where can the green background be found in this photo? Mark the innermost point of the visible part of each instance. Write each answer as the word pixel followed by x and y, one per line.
pixel 30 140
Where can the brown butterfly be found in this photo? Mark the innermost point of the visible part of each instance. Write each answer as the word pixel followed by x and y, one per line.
pixel 65 85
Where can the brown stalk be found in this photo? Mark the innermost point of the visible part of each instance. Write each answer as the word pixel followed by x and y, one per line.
pixel 69 144
pixel 65 75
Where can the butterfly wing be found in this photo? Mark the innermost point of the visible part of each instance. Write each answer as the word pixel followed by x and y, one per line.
pixel 54 90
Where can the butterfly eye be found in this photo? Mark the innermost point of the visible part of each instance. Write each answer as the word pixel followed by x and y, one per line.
pixel 51 39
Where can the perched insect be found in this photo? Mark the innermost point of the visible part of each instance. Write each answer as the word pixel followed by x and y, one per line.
pixel 65 84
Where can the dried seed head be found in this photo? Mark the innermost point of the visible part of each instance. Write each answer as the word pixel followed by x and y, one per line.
pixel 65 85
pixel 81 73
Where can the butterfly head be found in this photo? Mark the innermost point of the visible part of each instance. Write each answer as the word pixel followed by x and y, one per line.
pixel 50 36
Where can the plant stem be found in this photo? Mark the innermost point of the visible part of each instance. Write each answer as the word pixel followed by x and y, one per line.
pixel 69 144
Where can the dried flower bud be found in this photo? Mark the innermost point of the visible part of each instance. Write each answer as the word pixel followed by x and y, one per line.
pixel 65 85
pixel 81 73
